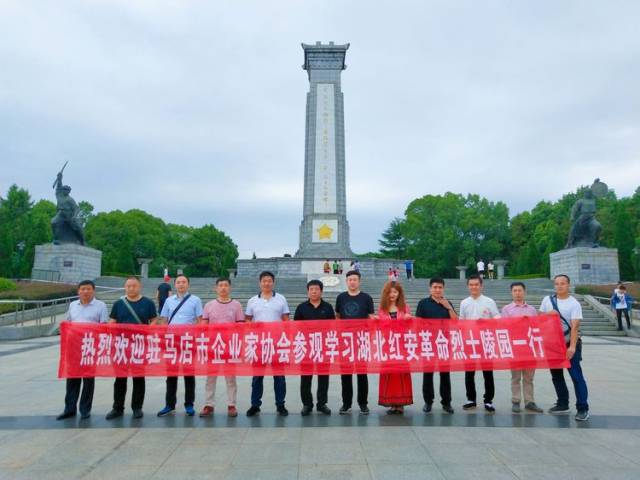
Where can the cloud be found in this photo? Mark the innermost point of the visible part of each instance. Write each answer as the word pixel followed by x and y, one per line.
pixel 194 111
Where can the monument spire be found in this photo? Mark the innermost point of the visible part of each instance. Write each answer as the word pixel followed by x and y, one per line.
pixel 324 231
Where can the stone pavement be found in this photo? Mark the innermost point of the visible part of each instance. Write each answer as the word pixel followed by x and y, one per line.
pixel 466 445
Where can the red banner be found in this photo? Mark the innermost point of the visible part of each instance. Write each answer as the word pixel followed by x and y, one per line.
pixel 310 347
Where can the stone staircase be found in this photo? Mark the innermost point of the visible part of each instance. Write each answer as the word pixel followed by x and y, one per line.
pixel 294 289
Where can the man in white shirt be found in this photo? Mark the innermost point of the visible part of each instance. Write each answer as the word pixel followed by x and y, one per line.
pixel 183 308
pixel 267 306
pixel 480 267
pixel 569 312
pixel 475 307
pixel 86 309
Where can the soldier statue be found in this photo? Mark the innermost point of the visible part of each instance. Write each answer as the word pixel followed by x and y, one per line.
pixel 585 229
pixel 66 225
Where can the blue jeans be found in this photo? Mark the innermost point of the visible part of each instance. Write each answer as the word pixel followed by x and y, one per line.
pixel 579 383
pixel 257 387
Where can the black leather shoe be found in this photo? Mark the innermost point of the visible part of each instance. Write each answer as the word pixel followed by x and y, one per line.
pixel 447 408
pixel 324 409
pixel 65 415
pixel 282 411
pixel 306 410
pixel 114 414
pixel 427 408
pixel 84 416
pixel 253 411
pixel 137 413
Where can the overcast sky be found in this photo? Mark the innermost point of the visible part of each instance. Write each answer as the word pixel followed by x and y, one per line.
pixel 194 111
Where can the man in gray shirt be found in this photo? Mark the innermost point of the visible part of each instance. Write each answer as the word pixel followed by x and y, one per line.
pixel 86 309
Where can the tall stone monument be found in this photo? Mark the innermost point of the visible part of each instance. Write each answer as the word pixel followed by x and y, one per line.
pixel 67 259
pixel 583 259
pixel 324 231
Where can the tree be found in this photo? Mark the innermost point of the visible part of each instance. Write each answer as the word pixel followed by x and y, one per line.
pixel 393 242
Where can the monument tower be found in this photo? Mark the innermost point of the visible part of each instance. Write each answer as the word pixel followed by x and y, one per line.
pixel 324 231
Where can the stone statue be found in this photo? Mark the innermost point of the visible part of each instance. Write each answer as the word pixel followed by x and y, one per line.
pixel 585 229
pixel 66 225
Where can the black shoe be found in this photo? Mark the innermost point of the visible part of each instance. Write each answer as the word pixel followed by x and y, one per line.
pixel 427 408
pixel 65 415
pixel 84 416
pixel 489 407
pixel 447 408
pixel 344 410
pixel 306 410
pixel 323 409
pixel 469 405
pixel 559 410
pixel 582 416
pixel 364 410
pixel 253 411
pixel 114 414
pixel 138 413
pixel 282 411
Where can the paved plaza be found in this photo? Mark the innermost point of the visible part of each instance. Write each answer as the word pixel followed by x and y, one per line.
pixel 34 445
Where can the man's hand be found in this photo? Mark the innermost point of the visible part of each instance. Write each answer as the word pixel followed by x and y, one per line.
pixel 571 351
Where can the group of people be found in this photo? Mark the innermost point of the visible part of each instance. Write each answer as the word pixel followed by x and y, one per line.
pixel 488 269
pixel 395 389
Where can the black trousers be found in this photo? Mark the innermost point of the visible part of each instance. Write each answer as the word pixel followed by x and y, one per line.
pixel 619 312
pixel 73 392
pixel 445 388
pixel 120 392
pixel 347 389
pixel 321 393
pixel 470 385
pixel 189 391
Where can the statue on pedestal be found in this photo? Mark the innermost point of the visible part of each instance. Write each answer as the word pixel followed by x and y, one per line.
pixel 585 229
pixel 66 225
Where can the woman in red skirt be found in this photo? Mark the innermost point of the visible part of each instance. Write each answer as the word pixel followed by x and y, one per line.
pixel 395 388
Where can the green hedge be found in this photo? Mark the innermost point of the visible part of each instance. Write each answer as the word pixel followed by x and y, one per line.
pixel 7 285
pixel 528 276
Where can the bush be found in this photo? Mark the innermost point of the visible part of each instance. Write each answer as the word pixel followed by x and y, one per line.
pixel 7 285
pixel 528 276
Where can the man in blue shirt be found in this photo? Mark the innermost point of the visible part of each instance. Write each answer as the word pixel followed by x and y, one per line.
pixel 182 308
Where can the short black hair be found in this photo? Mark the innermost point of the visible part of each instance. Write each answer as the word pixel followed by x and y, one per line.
pixel 518 284
pixel 622 287
pixel 563 275
pixel 317 283
pixel 87 282
pixel 223 279
pixel 266 273
pixel 182 275
pixel 439 280
pixel 132 277
pixel 353 272
pixel 474 277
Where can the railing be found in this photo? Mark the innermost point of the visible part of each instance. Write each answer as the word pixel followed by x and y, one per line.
pixel 41 312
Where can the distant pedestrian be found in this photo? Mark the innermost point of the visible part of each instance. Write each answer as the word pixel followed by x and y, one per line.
pixel 480 267
pixel 622 302
pixel 408 266
pixel 490 268
pixel 336 267
pixel 163 292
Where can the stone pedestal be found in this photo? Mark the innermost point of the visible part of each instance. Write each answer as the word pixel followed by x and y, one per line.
pixel 500 264
pixel 292 267
pixel 462 270
pixel 587 266
pixel 67 262
pixel 144 266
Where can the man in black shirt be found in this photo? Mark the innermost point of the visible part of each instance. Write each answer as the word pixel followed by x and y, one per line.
pixel 436 306
pixel 164 292
pixel 356 305
pixel 135 309
pixel 314 309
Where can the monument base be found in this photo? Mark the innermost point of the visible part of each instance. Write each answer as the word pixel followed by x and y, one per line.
pixel 67 262
pixel 291 267
pixel 587 266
